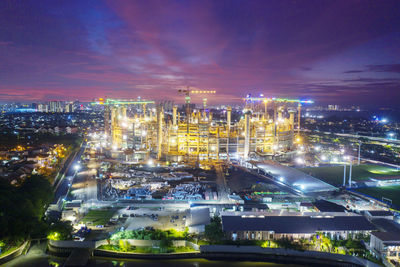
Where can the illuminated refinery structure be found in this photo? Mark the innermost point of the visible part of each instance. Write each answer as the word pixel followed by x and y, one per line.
pixel 266 128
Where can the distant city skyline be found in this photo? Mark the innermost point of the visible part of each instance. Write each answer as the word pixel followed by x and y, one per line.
pixel 334 52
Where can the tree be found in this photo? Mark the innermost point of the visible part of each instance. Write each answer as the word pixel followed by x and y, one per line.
pixel 63 229
pixel 165 243
pixel 124 245
pixel 22 208
pixel 326 243
pixel 213 231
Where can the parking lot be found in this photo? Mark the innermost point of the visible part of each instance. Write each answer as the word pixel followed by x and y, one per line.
pixel 158 218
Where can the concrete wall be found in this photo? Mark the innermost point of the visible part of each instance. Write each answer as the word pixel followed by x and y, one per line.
pixel 132 242
pixel 77 244
pixel 156 243
pixel 22 249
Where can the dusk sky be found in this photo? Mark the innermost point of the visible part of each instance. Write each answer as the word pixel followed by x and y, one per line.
pixel 339 52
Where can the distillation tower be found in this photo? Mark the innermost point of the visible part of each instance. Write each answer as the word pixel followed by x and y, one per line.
pixel 266 128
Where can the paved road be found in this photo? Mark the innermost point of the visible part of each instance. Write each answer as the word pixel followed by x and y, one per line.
pixel 35 257
pixel 273 180
pixel 223 191
pixel 381 139
pixel 67 175
pixel 381 162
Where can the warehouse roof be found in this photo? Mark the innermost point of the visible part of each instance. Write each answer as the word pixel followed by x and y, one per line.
pixel 379 213
pixel 327 206
pixel 296 224
pixel 293 177
pixel 388 237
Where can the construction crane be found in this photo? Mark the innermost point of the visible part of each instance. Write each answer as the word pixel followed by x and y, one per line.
pixel 108 103
pixel 187 92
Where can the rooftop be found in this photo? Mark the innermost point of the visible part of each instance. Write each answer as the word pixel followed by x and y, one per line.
pixel 294 178
pixel 327 206
pixel 387 225
pixel 385 236
pixel 379 213
pixel 296 224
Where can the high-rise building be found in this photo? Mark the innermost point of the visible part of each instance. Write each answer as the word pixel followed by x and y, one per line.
pixel 55 106
pixel 40 108
pixel 333 107
pixel 69 107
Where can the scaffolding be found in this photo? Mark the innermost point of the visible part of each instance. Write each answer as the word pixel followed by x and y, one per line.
pixel 196 139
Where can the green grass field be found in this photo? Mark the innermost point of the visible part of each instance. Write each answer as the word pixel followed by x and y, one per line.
pixel 334 175
pixel 98 217
pixel 391 192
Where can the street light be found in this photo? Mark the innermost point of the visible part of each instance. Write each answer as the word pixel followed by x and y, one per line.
pixel 150 162
pixel 77 167
pixel 392 135
pixel 299 161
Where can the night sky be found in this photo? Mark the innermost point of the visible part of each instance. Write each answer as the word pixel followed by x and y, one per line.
pixel 340 52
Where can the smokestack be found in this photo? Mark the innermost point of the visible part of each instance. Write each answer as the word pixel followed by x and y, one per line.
pixel 228 121
pixel 291 118
pixel 174 110
pixel 298 120
pixel 246 135
pixel 228 117
pixel 160 113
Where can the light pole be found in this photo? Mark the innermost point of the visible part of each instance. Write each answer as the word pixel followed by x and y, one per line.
pixel 344 174
pixel 359 153
pixel 77 167
pixel 350 171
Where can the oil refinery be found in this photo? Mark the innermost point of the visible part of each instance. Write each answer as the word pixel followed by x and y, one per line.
pixel 139 130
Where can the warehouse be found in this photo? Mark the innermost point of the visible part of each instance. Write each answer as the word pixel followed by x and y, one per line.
pixel 263 227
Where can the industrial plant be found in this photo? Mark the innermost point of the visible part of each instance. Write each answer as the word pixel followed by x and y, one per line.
pixel 138 130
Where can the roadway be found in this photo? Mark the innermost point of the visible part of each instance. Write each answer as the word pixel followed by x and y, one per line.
pixel 284 187
pixel 223 190
pixel 297 180
pixel 380 139
pixel 381 163
pixel 67 174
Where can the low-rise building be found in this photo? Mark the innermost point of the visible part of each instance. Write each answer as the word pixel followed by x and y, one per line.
pixel 386 244
pixel 263 226
pixel 378 214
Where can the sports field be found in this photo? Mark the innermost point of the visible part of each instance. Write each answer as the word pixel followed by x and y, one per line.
pixel 98 217
pixel 334 174
pixel 390 192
